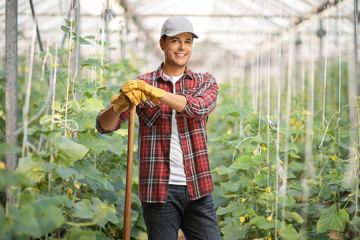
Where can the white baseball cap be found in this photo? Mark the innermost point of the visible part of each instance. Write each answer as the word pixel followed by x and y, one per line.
pixel 176 25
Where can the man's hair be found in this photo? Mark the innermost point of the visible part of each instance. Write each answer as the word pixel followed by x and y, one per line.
pixel 163 37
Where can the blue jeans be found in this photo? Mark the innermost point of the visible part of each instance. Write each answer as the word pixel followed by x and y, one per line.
pixel 197 219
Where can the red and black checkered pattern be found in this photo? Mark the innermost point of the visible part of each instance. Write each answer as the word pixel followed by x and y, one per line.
pixel 200 91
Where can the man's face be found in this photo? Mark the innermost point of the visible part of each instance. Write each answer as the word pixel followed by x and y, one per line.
pixel 177 49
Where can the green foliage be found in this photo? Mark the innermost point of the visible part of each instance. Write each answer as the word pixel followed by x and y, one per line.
pixel 250 196
pixel 70 183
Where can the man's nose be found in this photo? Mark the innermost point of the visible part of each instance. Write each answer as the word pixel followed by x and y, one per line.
pixel 182 45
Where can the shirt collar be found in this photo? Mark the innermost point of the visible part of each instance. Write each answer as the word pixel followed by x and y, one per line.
pixel 160 75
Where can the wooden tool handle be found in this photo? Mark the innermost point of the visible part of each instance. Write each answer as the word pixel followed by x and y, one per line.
pixel 127 207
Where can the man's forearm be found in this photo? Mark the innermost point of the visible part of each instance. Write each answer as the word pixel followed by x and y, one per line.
pixel 176 102
pixel 108 118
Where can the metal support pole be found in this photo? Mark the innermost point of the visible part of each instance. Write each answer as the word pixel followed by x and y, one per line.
pixel 11 86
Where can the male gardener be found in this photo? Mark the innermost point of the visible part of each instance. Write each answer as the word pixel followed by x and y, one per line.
pixel 173 104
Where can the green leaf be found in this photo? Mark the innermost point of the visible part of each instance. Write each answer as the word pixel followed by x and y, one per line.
pixel 235 230
pixel 25 221
pixel 222 170
pixel 30 166
pixel 85 121
pixel 290 233
pixel 331 219
pixel 65 173
pixel 236 208
pixel 261 180
pixel 93 106
pixel 259 159
pixel 82 41
pixel 262 223
pixel 68 22
pixel 93 177
pixel 116 142
pixel 244 162
pixel 246 182
pixel 65 29
pixel 286 201
pixel 69 150
pixel 231 186
pixel 251 212
pixel 97 144
pixel 91 63
pixel 79 234
pixel 46 119
pixel 47 214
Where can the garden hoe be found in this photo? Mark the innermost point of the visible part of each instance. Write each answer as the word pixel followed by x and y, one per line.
pixel 127 207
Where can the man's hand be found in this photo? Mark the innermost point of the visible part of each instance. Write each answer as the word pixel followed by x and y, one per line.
pixel 152 92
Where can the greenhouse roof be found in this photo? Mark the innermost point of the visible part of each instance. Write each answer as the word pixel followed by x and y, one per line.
pixel 231 27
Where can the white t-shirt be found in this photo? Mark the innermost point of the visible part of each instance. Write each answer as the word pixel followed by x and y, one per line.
pixel 177 167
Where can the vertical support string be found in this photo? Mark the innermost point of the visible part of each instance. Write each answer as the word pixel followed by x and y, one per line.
pixel 278 165
pixel 325 69
pixel 309 173
pixel 340 50
pixel 268 115
pixel 28 93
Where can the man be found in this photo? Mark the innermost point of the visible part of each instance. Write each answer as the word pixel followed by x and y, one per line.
pixel 173 104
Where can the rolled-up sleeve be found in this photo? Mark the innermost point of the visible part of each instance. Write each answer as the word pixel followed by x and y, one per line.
pixel 203 101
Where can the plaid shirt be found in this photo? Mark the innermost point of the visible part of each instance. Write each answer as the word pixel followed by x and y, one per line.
pixel 200 91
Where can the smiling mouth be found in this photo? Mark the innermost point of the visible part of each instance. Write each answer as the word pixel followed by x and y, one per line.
pixel 180 54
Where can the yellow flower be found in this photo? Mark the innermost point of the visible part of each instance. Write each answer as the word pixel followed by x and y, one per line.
pixel 242 219
pixel 269 218
pixel 269 238
pixel 55 65
pixel 2 165
pixel 279 232
pixel 77 186
pixel 103 80
pixel 334 157
pixel 350 195
pixel 34 189
pixel 243 200
pixel 297 123
pixel 228 132
pixel 69 191
pixel 281 162
pixel 292 121
pixel 19 69
pixel 264 146
pixel 268 189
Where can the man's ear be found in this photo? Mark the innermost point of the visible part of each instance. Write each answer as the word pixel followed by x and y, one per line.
pixel 161 42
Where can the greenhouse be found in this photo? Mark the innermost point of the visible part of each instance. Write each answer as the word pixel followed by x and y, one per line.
pixel 254 111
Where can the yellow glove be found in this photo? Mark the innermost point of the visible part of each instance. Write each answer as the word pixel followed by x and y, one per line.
pixel 152 92
pixel 120 103
pixel 135 96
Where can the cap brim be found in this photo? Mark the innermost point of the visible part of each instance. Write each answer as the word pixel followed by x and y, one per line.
pixel 171 34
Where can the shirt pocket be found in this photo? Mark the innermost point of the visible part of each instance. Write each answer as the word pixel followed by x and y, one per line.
pixel 149 114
